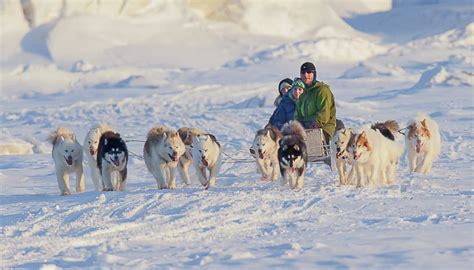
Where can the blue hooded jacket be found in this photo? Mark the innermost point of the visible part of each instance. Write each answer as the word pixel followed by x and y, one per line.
pixel 284 112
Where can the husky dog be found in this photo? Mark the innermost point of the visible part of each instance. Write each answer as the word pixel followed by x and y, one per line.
pixel 206 152
pixel 91 143
pixel 112 157
pixel 292 154
pixel 266 145
pixel 375 157
pixel 340 144
pixel 162 151
pixel 388 129
pixel 423 143
pixel 186 134
pixel 67 156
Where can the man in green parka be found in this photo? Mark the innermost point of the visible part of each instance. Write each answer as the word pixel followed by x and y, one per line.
pixel 316 107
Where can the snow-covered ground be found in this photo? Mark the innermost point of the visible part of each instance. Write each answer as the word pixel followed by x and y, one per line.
pixel 216 67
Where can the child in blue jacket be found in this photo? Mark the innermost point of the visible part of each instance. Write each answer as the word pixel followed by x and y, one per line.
pixel 285 110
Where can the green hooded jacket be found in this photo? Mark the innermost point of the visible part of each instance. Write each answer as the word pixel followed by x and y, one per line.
pixel 317 104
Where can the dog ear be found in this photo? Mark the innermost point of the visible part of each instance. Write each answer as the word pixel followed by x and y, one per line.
pixel 296 147
pixel 423 123
pixel 105 141
pixel 62 138
pixel 411 131
pixel 363 134
pixel 425 128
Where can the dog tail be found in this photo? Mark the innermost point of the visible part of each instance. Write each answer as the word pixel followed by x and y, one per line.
pixel 186 134
pixel 155 133
pixel 392 125
pixel 275 131
pixel 104 127
pixel 293 128
pixel 61 132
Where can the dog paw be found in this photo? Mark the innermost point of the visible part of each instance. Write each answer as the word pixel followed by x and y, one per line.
pixel 65 193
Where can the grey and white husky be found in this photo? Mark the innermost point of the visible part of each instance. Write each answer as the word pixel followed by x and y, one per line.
pixel 186 134
pixel 206 153
pixel 162 151
pixel 265 145
pixel 292 154
pixel 340 145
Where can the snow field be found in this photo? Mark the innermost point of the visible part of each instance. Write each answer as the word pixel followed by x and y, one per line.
pixel 145 63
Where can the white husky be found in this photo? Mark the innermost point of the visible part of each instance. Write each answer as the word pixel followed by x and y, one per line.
pixel 206 156
pixel 423 143
pixel 266 144
pixel 186 134
pixel 90 146
pixel 344 159
pixel 375 157
pixel 162 151
pixel 67 156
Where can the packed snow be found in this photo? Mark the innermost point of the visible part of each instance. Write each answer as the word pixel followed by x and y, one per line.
pixel 215 65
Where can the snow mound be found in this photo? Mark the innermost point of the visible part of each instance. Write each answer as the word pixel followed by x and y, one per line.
pixel 39 12
pixel 30 80
pixel 10 145
pixel 106 42
pixel 12 17
pixel 372 70
pixel 440 76
pixel 82 66
pixel 358 7
pixel 335 49
pixel 289 18
pixel 458 37
pixel 286 18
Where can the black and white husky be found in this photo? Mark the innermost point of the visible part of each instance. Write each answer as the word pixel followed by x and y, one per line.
pixel 292 154
pixel 112 157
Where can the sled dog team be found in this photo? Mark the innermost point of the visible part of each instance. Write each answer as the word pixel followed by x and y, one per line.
pixel 165 151
pixel 372 154
pixel 368 155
